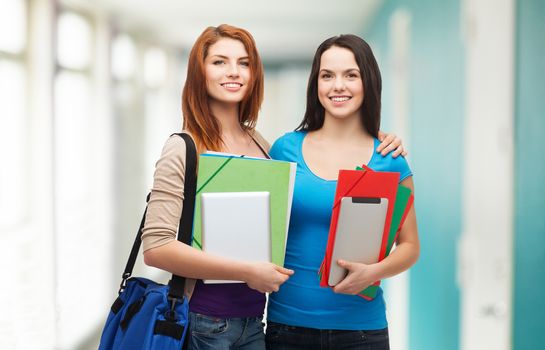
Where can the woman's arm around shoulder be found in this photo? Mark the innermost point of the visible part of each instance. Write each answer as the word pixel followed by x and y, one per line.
pixel 390 143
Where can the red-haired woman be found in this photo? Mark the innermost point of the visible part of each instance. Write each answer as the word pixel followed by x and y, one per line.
pixel 221 99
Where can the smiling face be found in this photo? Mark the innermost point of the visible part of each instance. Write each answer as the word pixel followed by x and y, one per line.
pixel 340 86
pixel 227 71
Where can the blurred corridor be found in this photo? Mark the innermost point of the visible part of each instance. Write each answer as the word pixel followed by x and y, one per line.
pixel 89 91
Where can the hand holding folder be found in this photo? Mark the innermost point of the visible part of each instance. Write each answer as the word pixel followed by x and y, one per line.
pixel 366 183
pixel 404 201
pixel 219 173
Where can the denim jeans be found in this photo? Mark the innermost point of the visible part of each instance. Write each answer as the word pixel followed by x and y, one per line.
pixel 284 337
pixel 207 332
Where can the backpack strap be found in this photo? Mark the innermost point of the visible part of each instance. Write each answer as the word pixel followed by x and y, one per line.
pixel 185 226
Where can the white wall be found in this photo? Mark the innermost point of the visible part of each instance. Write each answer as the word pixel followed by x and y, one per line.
pixel 285 100
pixel 486 262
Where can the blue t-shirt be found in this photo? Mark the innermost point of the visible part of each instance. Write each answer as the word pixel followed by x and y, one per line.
pixel 301 301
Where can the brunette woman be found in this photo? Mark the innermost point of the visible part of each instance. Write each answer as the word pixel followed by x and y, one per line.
pixel 339 131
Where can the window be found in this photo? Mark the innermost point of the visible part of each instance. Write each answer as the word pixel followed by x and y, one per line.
pixel 124 58
pixel 13 113
pixel 155 67
pixel 81 247
pixel 13 25
pixel 74 41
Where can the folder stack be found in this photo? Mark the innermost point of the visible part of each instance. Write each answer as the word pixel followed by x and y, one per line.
pixel 219 172
pixel 366 183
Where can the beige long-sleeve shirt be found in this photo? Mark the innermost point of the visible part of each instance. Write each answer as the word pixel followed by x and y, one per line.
pixel 167 194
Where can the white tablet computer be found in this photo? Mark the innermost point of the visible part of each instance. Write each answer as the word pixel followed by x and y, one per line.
pixel 359 233
pixel 236 225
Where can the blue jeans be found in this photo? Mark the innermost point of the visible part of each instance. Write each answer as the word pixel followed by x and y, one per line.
pixel 284 337
pixel 206 332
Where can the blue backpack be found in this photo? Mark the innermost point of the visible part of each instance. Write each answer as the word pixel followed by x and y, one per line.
pixel 146 314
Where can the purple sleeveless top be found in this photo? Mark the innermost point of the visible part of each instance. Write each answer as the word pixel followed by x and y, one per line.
pixel 227 300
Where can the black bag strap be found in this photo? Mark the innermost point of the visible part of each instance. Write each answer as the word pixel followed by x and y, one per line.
pixel 185 228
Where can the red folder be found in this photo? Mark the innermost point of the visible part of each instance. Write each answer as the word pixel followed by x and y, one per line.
pixel 361 183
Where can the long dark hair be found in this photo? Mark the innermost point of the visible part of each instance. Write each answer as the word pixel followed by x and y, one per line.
pixel 370 76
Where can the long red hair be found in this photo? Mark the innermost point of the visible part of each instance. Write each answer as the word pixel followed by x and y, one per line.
pixel 197 117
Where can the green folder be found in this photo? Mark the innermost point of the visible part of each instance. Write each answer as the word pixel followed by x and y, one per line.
pixel 220 173
pixel 402 199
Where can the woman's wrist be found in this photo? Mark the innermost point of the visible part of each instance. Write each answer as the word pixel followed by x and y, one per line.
pixel 377 271
pixel 243 271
